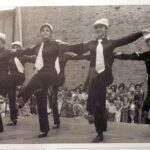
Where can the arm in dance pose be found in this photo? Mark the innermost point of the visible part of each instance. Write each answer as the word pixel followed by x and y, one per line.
pixel 78 57
pixel 108 44
pixel 134 56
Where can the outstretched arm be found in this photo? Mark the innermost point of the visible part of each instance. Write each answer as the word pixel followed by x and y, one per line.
pixel 133 56
pixel 126 40
pixel 75 48
pixel 80 57
pixel 6 54
pixel 29 51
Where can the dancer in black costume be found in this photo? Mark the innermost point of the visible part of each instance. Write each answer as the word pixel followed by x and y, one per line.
pixel 47 53
pixel 102 58
pixel 15 78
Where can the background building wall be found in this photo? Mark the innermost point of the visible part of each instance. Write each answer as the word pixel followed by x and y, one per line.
pixel 74 24
pixel 7 24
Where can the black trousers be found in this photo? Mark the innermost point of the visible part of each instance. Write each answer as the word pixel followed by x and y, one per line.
pixel 54 105
pixel 12 102
pixel 42 80
pixel 100 115
pixel 1 124
pixel 8 85
pixel 41 97
pixel 96 104
pixel 146 104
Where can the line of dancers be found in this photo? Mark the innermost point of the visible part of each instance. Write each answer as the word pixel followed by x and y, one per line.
pixel 50 57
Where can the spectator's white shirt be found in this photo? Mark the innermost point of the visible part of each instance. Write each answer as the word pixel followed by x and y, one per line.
pixel 107 104
pixel 80 97
pixel 132 89
pixel 111 108
pixel 84 96
pixel 73 95
pixel 132 106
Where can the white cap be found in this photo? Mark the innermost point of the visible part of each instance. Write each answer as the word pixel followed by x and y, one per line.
pixel 3 36
pixel 147 36
pixel 47 25
pixel 102 21
pixel 17 43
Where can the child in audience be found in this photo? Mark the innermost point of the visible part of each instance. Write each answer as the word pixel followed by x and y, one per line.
pixel 119 106
pixel 125 110
pixel 78 109
pixel 132 111
pixel 132 87
pixel 121 89
pixel 111 110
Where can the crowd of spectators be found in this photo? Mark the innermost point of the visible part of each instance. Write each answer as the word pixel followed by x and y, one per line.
pixel 123 103
pixel 72 103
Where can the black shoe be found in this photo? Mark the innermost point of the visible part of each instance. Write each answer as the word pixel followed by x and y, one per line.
pixel 12 123
pixel 56 126
pixel 42 134
pixel 98 138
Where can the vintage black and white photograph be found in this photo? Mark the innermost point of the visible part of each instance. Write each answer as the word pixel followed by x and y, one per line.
pixel 75 74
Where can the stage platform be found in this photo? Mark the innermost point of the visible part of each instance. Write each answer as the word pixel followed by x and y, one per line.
pixel 72 130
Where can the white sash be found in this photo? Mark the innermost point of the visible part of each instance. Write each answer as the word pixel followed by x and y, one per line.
pixel 57 66
pixel 19 65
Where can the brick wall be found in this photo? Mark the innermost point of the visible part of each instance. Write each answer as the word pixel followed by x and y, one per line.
pixel 74 24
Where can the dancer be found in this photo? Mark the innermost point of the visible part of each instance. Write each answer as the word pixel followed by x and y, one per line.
pixel 47 53
pixel 6 81
pixel 16 77
pixel 145 56
pixel 9 82
pixel 102 58
pixel 3 71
